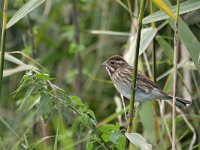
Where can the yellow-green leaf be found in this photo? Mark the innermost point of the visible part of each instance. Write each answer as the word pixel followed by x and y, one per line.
pixel 165 8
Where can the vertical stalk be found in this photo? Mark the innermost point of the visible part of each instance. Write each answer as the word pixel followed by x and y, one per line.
pixel 79 83
pixel 3 38
pixel 153 25
pixel 135 68
pixel 154 68
pixel 176 45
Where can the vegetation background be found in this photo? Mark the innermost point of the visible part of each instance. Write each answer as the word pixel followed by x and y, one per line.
pixel 56 94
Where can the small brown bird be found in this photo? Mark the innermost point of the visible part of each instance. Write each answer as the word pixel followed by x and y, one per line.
pixel 120 73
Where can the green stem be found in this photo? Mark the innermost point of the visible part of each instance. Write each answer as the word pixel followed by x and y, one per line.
pixel 135 68
pixel 176 44
pixel 154 68
pixel 153 25
pixel 3 37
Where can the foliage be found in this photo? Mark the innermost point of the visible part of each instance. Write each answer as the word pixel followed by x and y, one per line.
pixel 41 107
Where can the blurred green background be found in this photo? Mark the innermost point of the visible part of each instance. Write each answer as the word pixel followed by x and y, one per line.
pixel 48 36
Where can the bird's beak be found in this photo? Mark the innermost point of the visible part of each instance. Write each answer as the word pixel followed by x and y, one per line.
pixel 104 63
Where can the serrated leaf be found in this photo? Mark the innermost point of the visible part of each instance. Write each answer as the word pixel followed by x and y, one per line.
pixel 108 128
pixel 23 11
pixel 77 100
pixel 185 7
pixel 139 141
pixel 43 76
pixel 45 106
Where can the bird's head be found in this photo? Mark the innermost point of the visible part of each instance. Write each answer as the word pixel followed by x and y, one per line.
pixel 113 63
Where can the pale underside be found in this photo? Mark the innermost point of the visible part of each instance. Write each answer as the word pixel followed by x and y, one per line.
pixel 140 95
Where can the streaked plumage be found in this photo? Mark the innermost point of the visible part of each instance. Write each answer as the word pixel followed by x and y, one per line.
pixel 121 75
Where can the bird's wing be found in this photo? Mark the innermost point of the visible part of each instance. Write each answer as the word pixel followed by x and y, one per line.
pixel 146 84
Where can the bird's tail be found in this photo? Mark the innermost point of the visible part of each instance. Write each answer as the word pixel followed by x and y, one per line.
pixel 180 101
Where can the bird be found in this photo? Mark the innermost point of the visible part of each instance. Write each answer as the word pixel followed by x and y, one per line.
pixel 121 72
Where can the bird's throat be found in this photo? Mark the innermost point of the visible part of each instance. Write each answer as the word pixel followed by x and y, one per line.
pixel 110 70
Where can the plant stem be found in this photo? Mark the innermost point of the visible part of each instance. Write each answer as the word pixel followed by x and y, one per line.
pixel 176 45
pixel 153 25
pixel 3 38
pixel 135 68
pixel 154 68
pixel 79 83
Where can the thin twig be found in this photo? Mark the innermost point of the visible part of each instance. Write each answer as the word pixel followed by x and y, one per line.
pixel 3 43
pixel 135 68
pixel 176 44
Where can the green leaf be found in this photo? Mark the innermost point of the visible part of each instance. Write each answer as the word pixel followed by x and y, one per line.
pixel 89 145
pixel 185 7
pixel 77 100
pixel 169 83
pixel 147 35
pixel 45 106
pixel 139 141
pixel 168 50
pixel 114 137
pixel 23 11
pixel 108 127
pixel 190 41
pixel 148 122
pixel 43 76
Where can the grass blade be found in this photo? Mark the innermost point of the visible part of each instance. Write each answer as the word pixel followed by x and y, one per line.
pixel 23 11
pixel 185 7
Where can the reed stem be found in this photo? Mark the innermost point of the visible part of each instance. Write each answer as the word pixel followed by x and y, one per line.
pixel 176 46
pixel 3 43
pixel 135 68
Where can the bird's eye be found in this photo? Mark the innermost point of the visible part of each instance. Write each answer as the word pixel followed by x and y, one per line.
pixel 112 62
